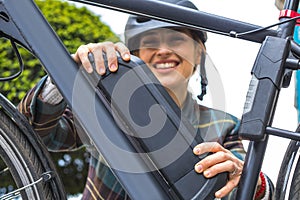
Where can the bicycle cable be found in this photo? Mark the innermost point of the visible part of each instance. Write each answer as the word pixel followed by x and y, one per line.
pixel 234 34
pixel 15 49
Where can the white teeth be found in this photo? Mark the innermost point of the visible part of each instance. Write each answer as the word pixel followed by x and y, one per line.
pixel 164 65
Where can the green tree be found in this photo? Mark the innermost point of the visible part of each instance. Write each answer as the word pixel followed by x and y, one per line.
pixel 75 26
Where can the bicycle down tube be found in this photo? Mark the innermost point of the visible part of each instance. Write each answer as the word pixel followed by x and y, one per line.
pixel 33 34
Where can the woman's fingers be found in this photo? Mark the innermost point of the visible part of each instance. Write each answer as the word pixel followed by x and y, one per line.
pixel 208 147
pixel 212 169
pixel 97 49
pixel 81 58
pixel 111 50
pixel 230 185
pixel 220 160
pixel 123 50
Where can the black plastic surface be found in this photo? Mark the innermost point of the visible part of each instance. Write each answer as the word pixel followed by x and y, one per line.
pixel 132 92
pixel 267 75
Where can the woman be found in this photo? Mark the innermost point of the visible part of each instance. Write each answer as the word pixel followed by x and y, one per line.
pixel 172 53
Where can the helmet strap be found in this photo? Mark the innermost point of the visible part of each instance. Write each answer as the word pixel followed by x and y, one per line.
pixel 203 77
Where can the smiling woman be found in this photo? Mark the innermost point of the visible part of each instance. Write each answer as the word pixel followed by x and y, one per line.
pixel 174 71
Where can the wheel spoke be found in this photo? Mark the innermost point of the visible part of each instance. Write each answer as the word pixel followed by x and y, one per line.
pixel 12 195
pixel 4 170
pixel 45 177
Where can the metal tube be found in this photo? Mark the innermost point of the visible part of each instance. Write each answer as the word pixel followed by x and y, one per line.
pixel 252 166
pixel 188 17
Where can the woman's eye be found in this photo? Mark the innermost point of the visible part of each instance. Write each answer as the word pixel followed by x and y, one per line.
pixel 150 43
pixel 177 39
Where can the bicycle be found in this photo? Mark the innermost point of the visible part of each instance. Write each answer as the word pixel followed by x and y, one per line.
pixel 40 181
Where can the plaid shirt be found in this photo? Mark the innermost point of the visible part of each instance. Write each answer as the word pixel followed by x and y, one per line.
pixel 55 125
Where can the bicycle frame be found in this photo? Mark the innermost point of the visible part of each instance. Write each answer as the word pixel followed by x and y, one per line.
pixel 22 22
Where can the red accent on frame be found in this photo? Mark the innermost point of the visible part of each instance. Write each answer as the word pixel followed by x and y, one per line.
pixel 289 14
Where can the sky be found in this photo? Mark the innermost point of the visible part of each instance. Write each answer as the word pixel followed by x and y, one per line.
pixel 233 59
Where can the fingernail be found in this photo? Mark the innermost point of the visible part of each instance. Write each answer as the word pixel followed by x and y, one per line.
pixel 102 71
pixel 89 70
pixel 196 150
pixel 198 168
pixel 218 194
pixel 126 56
pixel 206 173
pixel 113 67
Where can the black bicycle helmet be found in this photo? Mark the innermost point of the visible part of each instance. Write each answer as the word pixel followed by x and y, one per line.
pixel 139 24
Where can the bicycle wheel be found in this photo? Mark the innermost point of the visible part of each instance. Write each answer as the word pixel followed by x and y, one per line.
pixel 288 181
pixel 295 184
pixel 25 167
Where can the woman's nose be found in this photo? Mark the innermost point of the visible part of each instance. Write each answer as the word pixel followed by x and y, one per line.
pixel 164 49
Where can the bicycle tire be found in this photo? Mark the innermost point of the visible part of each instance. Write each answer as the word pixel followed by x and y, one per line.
pixel 289 169
pixel 286 171
pixel 25 164
pixel 294 193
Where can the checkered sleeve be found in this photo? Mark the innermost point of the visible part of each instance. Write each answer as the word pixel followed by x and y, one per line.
pixel 233 142
pixel 54 123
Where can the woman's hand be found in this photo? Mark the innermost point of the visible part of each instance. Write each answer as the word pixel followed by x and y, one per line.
pixel 111 49
pixel 222 160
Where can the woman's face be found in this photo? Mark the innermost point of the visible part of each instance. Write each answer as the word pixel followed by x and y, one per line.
pixel 171 55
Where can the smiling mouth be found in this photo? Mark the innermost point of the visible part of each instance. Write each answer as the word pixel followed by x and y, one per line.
pixel 165 65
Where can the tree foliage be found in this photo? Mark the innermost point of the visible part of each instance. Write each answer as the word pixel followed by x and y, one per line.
pixel 75 26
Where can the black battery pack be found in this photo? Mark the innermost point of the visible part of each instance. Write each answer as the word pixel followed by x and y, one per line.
pixel 154 124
